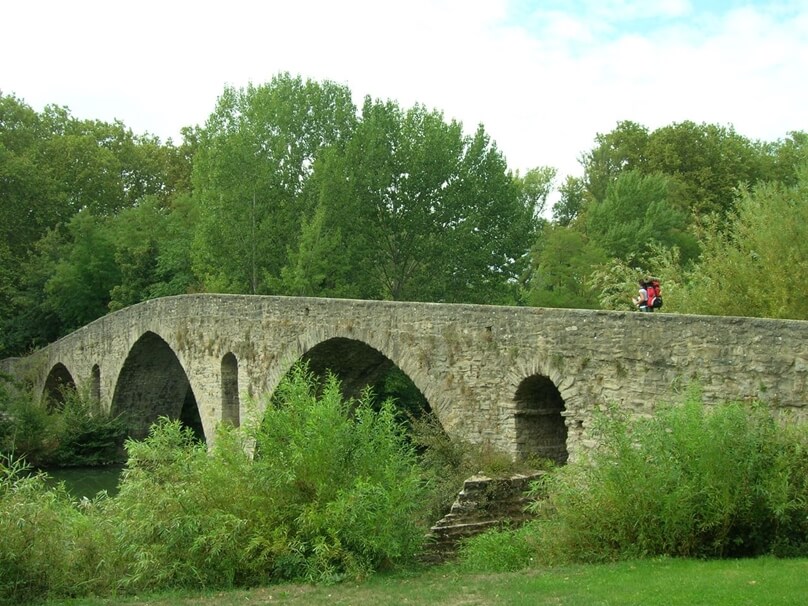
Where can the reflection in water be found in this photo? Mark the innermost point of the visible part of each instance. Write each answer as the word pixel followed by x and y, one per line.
pixel 87 481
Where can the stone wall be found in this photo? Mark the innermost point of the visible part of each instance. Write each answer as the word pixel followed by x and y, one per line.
pixel 525 380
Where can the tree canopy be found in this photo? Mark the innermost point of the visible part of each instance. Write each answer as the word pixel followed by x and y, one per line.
pixel 289 188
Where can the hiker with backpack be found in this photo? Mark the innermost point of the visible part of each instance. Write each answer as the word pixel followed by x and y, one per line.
pixel 641 300
pixel 650 295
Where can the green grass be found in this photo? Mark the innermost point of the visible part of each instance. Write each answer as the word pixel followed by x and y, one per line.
pixel 668 582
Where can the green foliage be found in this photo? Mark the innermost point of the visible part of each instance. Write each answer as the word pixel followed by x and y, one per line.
pixel 344 477
pixel 251 174
pixel 74 434
pixel 78 289
pixel 563 259
pixel 753 265
pixel 334 491
pixel 62 181
pixel 50 546
pixel 535 187
pixel 22 425
pixel 572 201
pixel 505 550
pixel 83 436
pixel 634 214
pixel 705 163
pixel 311 268
pixel 185 533
pixel 692 481
pixel 422 211
pixel 151 250
pixel 616 151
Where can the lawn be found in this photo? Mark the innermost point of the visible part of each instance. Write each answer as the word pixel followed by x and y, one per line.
pixel 668 582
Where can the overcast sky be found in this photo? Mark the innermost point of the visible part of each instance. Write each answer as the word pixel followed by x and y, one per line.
pixel 543 76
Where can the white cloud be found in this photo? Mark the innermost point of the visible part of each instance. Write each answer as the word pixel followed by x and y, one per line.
pixel 543 82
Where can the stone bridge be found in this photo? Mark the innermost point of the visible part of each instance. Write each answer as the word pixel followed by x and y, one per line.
pixel 525 380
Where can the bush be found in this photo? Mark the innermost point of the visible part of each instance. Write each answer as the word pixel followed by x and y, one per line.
pixel 22 425
pixel 84 437
pixel 50 547
pixel 73 435
pixel 504 550
pixel 344 477
pixel 692 481
pixel 334 491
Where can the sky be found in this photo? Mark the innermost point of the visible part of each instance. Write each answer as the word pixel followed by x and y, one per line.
pixel 543 77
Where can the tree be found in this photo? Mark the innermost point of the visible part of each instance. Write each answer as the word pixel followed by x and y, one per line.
pixel 753 265
pixel 704 163
pixel 78 289
pixel 563 260
pixel 424 212
pixel 535 187
pixel 251 172
pixel 786 157
pixel 151 250
pixel 572 202
pixel 708 163
pixel 315 266
pixel 54 167
pixel 620 150
pixel 635 213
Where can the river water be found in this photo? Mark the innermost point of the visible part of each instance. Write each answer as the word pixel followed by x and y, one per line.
pixel 87 481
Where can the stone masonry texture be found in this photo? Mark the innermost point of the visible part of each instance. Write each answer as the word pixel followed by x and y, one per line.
pixel 469 361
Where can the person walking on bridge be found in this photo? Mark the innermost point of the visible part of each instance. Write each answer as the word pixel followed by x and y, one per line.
pixel 641 300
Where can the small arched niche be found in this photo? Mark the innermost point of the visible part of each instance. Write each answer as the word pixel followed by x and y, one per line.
pixel 230 403
pixel 58 382
pixel 540 427
pixel 95 384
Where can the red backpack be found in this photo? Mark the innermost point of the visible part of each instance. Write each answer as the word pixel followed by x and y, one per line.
pixel 654 294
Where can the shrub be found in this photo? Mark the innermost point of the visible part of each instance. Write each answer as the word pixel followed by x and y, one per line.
pixel 692 481
pixel 73 435
pixel 504 550
pixel 344 477
pixel 49 546
pixel 83 436
pixel 186 531
pixel 22 425
pixel 334 491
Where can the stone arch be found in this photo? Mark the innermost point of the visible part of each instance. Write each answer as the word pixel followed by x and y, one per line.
pixel 230 397
pixel 58 380
pixel 152 383
pixel 404 358
pixel 540 426
pixel 356 363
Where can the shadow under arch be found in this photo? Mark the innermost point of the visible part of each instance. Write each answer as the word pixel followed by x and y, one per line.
pixel 151 384
pixel 540 427
pixel 58 381
pixel 358 366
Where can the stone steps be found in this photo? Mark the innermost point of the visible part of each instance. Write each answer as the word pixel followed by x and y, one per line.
pixel 483 503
